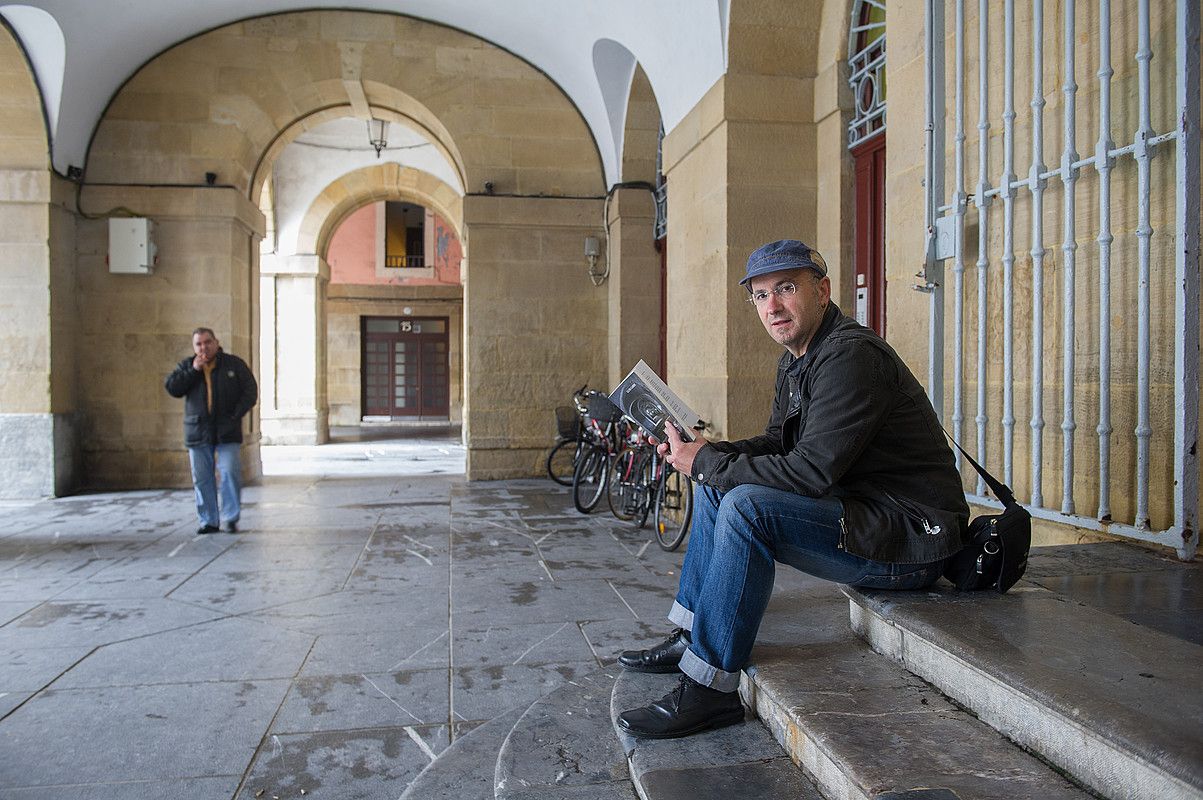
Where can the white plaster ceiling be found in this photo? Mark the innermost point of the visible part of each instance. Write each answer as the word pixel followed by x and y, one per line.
pixel 83 50
pixel 323 154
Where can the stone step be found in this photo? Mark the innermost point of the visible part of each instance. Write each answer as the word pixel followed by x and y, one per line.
pixel 464 771
pixel 863 727
pixel 562 747
pixel 738 761
pixel 1115 705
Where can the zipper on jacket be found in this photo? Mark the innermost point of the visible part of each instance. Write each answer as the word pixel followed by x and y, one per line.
pixel 928 528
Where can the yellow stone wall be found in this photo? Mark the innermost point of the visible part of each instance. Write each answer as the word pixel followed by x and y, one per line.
pixel 133 329
pixel 535 326
pixel 347 303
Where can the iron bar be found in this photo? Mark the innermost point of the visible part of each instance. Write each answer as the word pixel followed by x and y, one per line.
pixel 1144 235
pixel 1006 187
pixel 1069 247
pixel 1036 186
pixel 958 267
pixel 1102 163
pixel 1186 275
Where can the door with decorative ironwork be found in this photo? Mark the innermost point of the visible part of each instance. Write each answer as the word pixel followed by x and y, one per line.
pixel 405 367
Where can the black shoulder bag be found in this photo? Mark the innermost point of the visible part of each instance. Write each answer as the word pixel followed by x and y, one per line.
pixel 997 553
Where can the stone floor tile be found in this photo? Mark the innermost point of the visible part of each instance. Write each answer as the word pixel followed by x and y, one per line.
pixel 91 623
pixel 403 647
pixel 481 693
pixel 11 609
pixel 181 789
pixel 230 649
pixel 536 643
pixel 250 555
pixel 371 764
pixel 231 592
pixel 608 638
pixel 10 700
pixel 30 669
pixel 107 585
pixel 382 700
pixel 361 611
pixel 135 732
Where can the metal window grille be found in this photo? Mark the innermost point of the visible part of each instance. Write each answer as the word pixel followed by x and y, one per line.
pixel 1089 377
pixel 867 70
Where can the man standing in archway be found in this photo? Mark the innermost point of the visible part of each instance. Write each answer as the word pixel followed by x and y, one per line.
pixel 218 390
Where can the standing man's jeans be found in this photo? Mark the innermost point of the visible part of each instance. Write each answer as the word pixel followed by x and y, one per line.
pixel 225 458
pixel 728 573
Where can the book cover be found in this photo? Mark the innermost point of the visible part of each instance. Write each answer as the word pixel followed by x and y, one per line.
pixel 649 402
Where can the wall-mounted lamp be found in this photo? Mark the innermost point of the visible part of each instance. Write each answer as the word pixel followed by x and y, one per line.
pixel 378 134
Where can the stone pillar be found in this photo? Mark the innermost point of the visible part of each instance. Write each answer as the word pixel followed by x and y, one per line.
pixel 741 172
pixel 634 283
pixel 134 329
pixel 535 326
pixel 295 409
pixel 38 424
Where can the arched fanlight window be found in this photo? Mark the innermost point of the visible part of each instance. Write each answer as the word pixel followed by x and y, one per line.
pixel 867 70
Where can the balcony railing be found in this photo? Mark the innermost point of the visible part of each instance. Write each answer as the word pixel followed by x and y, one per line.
pixel 405 262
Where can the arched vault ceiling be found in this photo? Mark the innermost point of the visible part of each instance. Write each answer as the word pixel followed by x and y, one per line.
pixel 681 45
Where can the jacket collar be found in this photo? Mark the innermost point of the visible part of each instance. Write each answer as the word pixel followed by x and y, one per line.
pixel 830 319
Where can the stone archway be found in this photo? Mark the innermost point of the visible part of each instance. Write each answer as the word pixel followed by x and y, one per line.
pixel 226 101
pixel 305 319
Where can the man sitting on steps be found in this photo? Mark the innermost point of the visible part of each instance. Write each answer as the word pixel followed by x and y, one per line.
pixel 852 481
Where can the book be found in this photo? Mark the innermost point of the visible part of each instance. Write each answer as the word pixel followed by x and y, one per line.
pixel 648 401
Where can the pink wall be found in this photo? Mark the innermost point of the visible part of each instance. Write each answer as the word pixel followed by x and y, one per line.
pixel 352 252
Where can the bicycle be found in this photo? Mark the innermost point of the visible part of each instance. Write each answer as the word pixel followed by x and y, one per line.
pixel 641 481
pixel 562 458
pixel 601 438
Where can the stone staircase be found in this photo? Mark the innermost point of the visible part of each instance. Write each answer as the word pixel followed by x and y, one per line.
pixel 1038 694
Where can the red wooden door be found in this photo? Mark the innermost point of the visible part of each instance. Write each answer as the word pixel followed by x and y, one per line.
pixel 405 367
pixel 869 306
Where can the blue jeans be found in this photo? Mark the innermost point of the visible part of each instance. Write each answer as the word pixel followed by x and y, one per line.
pixel 223 457
pixel 728 573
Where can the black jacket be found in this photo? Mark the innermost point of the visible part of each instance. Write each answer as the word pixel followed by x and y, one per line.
pixel 234 393
pixel 850 420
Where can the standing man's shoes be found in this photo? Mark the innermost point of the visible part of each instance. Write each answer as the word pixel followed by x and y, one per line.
pixel 688 709
pixel 208 529
pixel 664 657
pixel 232 526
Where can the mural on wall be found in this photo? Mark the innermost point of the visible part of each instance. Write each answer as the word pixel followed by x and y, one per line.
pixel 358 253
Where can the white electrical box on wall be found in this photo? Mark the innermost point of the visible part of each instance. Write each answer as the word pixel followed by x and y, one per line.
pixel 132 245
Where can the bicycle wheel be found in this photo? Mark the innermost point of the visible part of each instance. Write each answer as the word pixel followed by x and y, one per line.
pixel 561 461
pixel 589 479
pixel 674 509
pixel 620 488
pixel 648 490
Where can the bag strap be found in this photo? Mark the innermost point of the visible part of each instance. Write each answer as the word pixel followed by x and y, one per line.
pixel 1000 489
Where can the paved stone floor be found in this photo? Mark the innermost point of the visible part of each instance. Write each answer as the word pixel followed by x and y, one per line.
pixel 374 607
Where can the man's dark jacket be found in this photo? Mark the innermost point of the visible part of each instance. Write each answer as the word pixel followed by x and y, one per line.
pixel 850 420
pixel 234 393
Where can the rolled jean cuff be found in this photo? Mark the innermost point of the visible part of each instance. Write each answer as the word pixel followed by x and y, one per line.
pixel 681 616
pixel 703 673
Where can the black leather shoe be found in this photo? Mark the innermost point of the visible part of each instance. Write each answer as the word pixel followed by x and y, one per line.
pixel 664 657
pixel 208 529
pixel 688 709
pixel 232 526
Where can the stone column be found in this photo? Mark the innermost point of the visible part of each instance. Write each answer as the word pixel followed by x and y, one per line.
pixel 634 283
pixel 38 424
pixel 295 409
pixel 133 329
pixel 741 172
pixel 535 326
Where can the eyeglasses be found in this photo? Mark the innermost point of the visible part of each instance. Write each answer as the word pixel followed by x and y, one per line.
pixel 782 290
